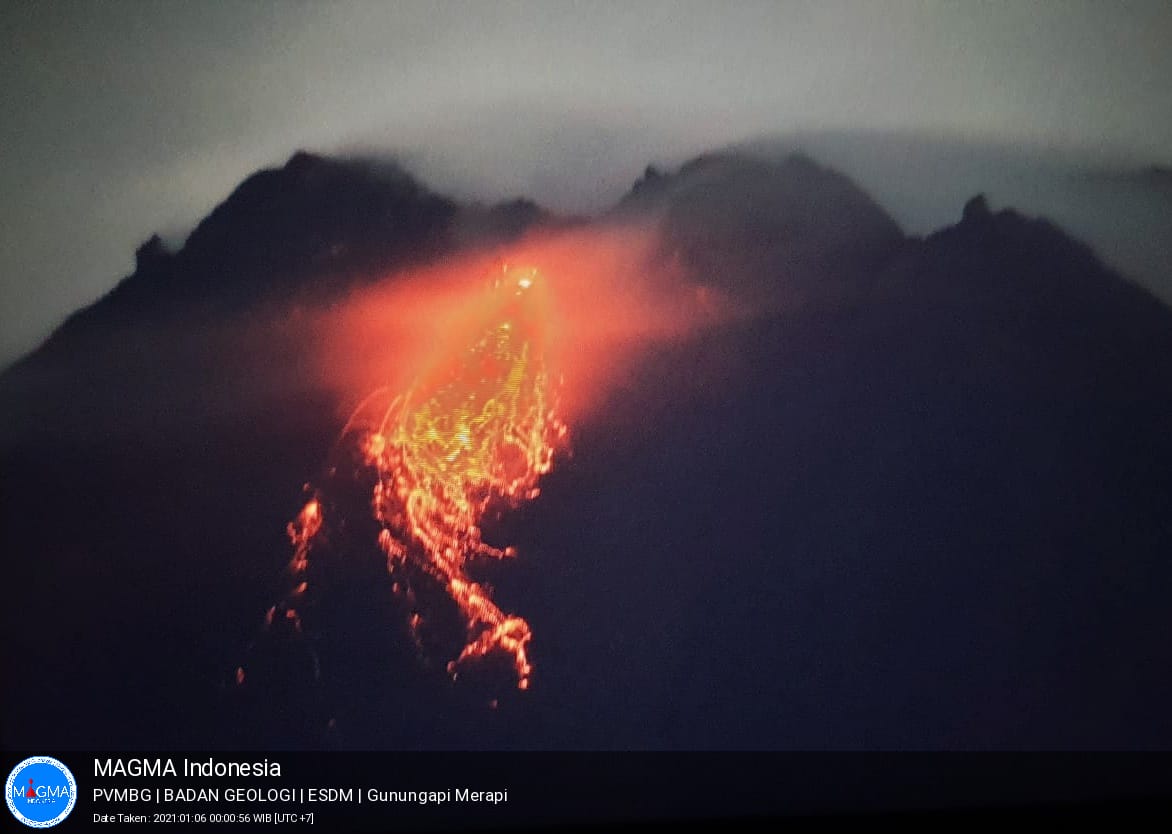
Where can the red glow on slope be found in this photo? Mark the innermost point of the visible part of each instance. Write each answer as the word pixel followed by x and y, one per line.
pixel 467 392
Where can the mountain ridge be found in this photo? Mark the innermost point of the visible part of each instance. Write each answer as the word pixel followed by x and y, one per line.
pixel 921 500
pixel 387 188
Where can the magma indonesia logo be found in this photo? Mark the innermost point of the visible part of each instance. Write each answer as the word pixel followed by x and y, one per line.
pixel 40 792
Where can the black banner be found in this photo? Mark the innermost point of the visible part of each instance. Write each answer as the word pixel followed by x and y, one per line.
pixel 389 791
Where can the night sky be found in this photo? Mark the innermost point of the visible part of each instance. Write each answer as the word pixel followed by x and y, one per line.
pixel 122 119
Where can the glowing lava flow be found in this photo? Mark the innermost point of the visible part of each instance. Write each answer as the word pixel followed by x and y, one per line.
pixel 476 431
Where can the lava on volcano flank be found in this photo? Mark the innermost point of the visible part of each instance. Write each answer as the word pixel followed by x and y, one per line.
pixel 465 389
pixel 472 435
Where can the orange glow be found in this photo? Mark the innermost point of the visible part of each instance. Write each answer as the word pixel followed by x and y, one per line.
pixel 604 294
pixel 467 390
pixel 477 428
pixel 301 531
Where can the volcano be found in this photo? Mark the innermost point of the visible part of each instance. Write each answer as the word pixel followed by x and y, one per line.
pixel 915 494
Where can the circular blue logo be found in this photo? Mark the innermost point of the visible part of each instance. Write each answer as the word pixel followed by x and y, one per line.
pixel 40 792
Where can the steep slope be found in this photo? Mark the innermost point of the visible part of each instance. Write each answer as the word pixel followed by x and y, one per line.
pixel 920 500
pixel 774 234
pixel 153 449
pixel 936 516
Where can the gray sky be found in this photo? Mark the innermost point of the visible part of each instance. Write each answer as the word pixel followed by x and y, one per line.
pixel 125 118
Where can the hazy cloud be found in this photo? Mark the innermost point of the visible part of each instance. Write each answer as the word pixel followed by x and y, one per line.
pixel 125 118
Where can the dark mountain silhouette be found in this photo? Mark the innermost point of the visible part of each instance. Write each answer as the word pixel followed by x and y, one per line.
pixel 923 500
pixel 922 179
pixel 1157 178
pixel 772 233
pixel 177 443
pixel 1160 175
